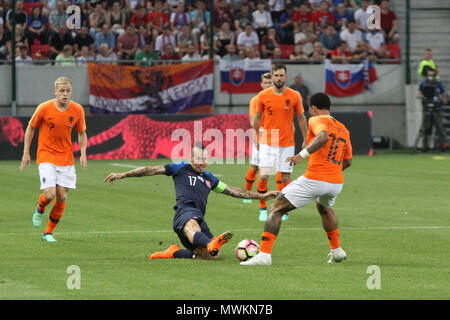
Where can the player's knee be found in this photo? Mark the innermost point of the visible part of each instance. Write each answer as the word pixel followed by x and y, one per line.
pixel 49 194
pixel 276 210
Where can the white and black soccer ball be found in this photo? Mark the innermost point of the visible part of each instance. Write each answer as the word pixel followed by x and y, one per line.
pixel 246 249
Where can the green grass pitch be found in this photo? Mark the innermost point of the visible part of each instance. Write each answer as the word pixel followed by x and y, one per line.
pixel 393 213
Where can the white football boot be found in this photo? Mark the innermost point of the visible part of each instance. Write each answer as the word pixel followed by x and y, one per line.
pixel 261 259
pixel 337 255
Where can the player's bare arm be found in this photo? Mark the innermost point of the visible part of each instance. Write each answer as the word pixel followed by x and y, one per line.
pixel 139 172
pixel 245 194
pixel 26 159
pixel 82 140
pixel 318 142
pixel 303 128
pixel 257 125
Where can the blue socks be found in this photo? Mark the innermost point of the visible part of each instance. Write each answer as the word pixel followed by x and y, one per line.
pixel 183 253
pixel 201 240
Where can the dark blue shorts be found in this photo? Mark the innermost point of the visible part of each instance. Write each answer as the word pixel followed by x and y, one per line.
pixel 182 215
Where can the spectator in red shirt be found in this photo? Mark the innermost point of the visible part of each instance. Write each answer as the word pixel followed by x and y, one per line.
pixel 322 17
pixel 302 15
pixel 157 18
pixel 127 43
pixel 389 22
pixel 222 14
pixel 170 53
pixel 139 17
pixel 341 54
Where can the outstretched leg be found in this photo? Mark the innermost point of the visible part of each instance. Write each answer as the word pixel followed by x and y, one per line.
pixel 280 207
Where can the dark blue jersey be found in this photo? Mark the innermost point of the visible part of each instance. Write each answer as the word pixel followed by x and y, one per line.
pixel 191 187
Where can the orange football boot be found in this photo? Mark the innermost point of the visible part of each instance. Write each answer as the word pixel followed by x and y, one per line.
pixel 216 243
pixel 166 254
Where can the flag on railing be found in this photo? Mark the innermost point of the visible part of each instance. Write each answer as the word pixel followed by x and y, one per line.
pixel 343 80
pixel 169 89
pixel 243 76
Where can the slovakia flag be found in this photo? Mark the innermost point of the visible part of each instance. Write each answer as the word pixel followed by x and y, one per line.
pixel 243 76
pixel 343 80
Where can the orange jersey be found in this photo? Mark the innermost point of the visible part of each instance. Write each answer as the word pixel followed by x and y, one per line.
pixel 55 131
pixel 326 163
pixel 278 114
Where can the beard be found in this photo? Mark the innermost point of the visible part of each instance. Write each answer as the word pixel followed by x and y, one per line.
pixel 279 85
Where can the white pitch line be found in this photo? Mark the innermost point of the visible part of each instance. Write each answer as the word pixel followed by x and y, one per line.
pixel 244 230
pixel 124 165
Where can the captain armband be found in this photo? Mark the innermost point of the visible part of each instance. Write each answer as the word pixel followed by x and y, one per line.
pixel 221 186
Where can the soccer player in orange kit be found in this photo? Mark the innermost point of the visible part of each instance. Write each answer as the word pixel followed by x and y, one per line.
pixel 329 152
pixel 55 119
pixel 277 106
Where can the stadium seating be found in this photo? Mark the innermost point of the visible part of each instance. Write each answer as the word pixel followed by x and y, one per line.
pixel 28 6
pixel 40 51
pixel 286 50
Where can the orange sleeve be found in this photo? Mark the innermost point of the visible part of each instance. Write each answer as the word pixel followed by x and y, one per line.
pixel 36 119
pixel 253 105
pixel 81 123
pixel 316 125
pixel 259 103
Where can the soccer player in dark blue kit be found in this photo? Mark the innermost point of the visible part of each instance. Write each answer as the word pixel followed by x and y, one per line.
pixel 192 186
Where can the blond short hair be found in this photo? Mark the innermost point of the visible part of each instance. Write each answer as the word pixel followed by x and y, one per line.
pixel 266 75
pixel 62 80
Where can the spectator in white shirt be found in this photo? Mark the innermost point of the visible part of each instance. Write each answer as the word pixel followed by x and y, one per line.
pixel 247 39
pixel 362 14
pixel 276 7
pixel 351 35
pixel 262 20
pixel 23 59
pixel 163 39
pixel 376 43
pixel 191 53
pixel 84 57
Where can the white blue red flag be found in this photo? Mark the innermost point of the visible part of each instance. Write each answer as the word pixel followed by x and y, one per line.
pixel 343 80
pixel 243 76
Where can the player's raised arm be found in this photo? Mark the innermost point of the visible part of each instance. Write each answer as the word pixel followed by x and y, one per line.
pixel 139 172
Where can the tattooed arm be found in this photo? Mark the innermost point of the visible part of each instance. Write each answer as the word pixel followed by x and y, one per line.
pixel 139 172
pixel 245 194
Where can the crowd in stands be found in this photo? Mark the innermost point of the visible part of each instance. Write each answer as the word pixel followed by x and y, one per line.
pixel 143 31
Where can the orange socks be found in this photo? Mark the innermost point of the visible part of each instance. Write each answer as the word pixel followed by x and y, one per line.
pixel 333 237
pixel 262 188
pixel 267 240
pixel 43 202
pixel 250 178
pixel 279 181
pixel 55 216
